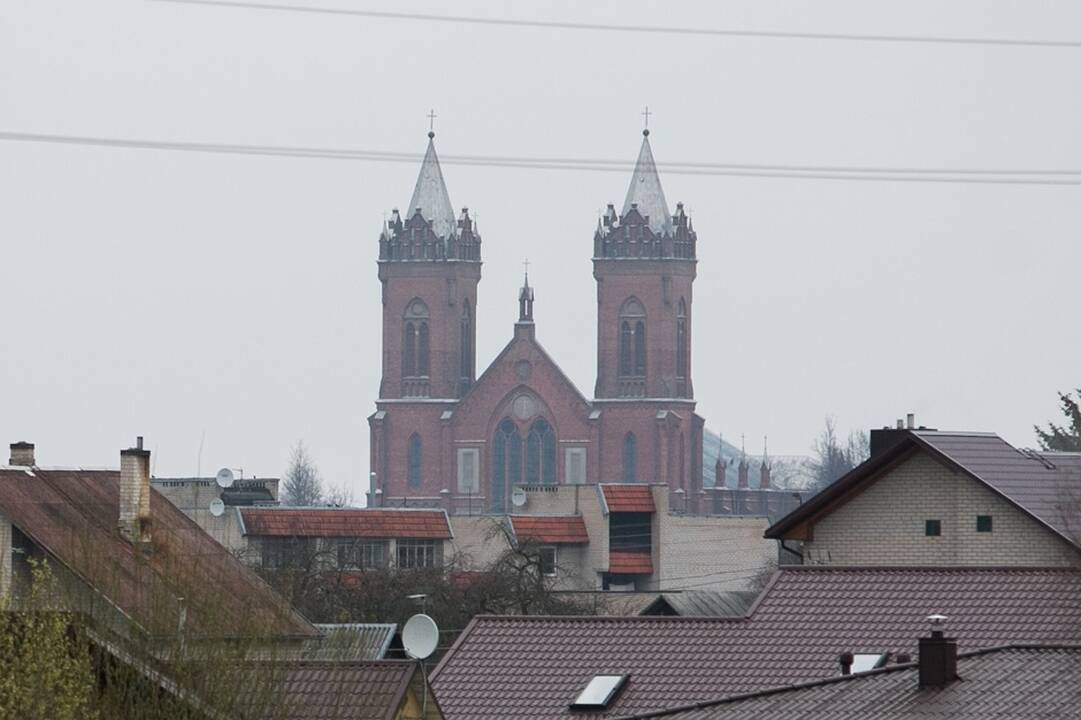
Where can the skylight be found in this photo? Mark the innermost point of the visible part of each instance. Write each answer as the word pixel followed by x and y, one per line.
pixel 862 662
pixel 600 691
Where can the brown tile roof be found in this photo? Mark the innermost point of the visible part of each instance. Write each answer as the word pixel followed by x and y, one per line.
pixel 359 690
pixel 558 529
pixel 73 514
pixel 630 562
pixel 347 522
pixel 1047 486
pixel 628 498
pixel 803 621
pixel 1007 682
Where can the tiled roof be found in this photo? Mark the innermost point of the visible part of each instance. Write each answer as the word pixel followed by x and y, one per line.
pixel 347 522
pixel 335 690
pixel 1044 485
pixel 628 498
pixel 630 562
pixel 558 529
pixel 1007 682
pixel 351 641
pixel 73 515
pixel 804 620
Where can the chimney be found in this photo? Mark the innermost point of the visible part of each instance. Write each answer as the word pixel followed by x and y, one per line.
pixel 22 454
pixel 910 421
pixel 135 493
pixel 938 656
pixel 846 659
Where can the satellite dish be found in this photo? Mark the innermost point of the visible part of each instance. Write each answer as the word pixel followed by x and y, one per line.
pixel 420 636
pixel 518 498
pixel 217 507
pixel 224 478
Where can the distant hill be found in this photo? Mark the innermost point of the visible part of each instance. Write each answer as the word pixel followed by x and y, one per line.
pixel 788 471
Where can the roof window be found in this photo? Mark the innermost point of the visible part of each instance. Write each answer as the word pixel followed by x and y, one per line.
pixel 599 693
pixel 862 662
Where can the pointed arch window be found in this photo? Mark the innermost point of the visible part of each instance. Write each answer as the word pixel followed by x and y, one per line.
pixel 506 464
pixel 466 352
pixel 416 342
pixel 630 458
pixel 540 454
pixel 632 339
pixel 414 460
pixel 682 348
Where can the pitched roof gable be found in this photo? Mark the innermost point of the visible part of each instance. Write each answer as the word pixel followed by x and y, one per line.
pixel 802 622
pixel 72 515
pixel 1049 493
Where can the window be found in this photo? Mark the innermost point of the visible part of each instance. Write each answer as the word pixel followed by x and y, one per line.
pixel 274 553
pixel 547 556
pixel 415 340
pixel 599 693
pixel 983 523
pixel 574 465
pixel 864 662
pixel 682 350
pixel 419 553
pixel 468 471
pixel 632 339
pixel 630 458
pixel 506 463
pixel 414 460
pixel 362 554
pixel 932 528
pixel 466 331
pixel 540 454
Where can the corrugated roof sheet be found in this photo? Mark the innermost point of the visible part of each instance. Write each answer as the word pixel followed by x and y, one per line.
pixel 703 603
pixel 1010 682
pixel 347 522
pixel 558 529
pixel 628 498
pixel 804 620
pixel 350 641
pixel 73 515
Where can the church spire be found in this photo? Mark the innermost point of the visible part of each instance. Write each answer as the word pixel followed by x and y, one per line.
pixel 645 191
pixel 430 196
pixel 525 299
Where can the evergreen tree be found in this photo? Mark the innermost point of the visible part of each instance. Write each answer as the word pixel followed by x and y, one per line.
pixel 1064 438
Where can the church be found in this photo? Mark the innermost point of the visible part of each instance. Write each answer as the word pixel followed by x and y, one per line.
pixel 445 436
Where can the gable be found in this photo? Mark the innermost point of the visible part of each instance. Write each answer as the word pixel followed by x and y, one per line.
pixel 885 523
pixel 523 367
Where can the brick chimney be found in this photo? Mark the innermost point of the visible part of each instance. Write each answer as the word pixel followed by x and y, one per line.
pixel 134 521
pixel 938 656
pixel 22 454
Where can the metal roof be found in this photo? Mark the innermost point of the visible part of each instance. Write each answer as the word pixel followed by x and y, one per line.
pixel 431 198
pixel 646 192
pixel 350 641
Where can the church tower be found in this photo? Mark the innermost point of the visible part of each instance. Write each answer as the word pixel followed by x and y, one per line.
pixel 644 263
pixel 429 267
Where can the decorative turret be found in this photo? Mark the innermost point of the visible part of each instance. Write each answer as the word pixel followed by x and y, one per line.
pixel 525 302
pixel 765 468
pixel 429 230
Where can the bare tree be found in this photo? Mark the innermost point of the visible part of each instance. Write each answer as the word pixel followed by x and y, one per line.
pixel 302 485
pixel 832 458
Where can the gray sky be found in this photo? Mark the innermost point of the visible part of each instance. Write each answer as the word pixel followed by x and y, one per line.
pixel 171 294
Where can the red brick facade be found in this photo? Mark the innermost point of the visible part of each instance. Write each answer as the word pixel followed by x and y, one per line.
pixel 439 438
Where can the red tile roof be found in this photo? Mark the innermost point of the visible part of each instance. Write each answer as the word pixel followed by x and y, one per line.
pixel 628 498
pixel 804 620
pixel 72 515
pixel 630 562
pixel 1008 682
pixel 560 529
pixel 347 522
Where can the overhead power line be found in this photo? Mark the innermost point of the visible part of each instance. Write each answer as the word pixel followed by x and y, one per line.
pixel 654 30
pixel 801 172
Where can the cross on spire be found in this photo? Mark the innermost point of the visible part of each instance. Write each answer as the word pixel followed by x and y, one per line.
pixel 431 122
pixel 525 264
pixel 646 113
